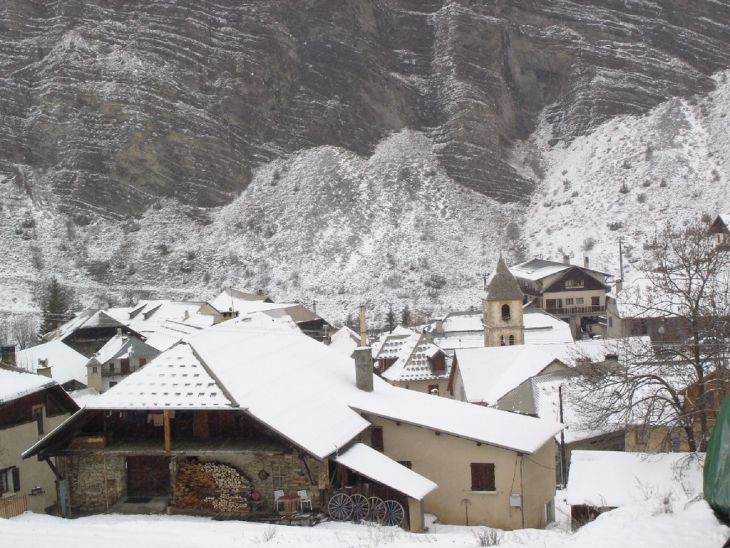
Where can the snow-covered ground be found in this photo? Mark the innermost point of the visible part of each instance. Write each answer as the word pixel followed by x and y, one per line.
pixel 646 524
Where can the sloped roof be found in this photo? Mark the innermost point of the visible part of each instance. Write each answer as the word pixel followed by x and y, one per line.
pixel 489 373
pixel 174 380
pixel 123 346
pixel 66 364
pixel 544 328
pixel 537 269
pixel 16 384
pixel 504 286
pixel 412 354
pixel 272 370
pixel 374 465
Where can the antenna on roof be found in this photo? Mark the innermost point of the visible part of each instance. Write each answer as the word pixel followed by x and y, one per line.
pixel 230 292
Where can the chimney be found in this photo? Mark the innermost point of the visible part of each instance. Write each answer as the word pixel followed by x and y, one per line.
pixel 619 286
pixel 363 358
pixel 119 331
pixel 43 368
pixel 566 259
pixel 585 262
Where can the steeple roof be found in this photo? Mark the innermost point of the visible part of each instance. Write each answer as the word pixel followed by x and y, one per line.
pixel 504 286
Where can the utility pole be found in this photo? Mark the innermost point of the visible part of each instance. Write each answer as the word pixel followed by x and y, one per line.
pixel 621 257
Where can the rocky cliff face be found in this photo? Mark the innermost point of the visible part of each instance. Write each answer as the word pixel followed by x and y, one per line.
pixel 111 105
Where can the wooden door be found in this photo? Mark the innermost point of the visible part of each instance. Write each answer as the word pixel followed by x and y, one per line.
pixel 148 476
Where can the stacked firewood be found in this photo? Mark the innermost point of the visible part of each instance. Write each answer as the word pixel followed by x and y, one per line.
pixel 212 486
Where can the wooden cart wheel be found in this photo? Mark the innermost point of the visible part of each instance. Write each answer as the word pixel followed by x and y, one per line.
pixel 376 513
pixel 393 512
pixel 360 507
pixel 340 507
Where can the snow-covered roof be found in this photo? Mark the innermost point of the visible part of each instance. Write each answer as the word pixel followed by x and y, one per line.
pixel 463 322
pixel 174 380
pixel 537 269
pixel 83 396
pixel 489 373
pixel 411 353
pixel 16 384
pixel 374 465
pixel 614 478
pixel 301 389
pixel 345 340
pixel 66 364
pixel 123 346
pixel 461 419
pixel 86 319
pixel 544 328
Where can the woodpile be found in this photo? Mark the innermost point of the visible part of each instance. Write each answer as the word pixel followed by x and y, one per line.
pixel 211 486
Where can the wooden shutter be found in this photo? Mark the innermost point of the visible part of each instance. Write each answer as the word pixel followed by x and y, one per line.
pixel 482 476
pixel 16 479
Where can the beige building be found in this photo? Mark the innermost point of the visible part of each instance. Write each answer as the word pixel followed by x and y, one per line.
pixel 31 406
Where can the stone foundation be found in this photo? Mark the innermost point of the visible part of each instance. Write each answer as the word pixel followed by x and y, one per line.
pixel 87 478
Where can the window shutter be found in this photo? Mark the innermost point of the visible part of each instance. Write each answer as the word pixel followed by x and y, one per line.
pixel 376 438
pixel 482 477
pixel 16 479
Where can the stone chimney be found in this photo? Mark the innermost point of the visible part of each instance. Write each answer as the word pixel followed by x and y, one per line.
pixel 566 259
pixel 363 358
pixel 43 368
pixel 585 262
pixel 619 286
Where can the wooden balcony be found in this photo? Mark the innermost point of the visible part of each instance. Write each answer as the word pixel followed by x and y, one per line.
pixel 576 310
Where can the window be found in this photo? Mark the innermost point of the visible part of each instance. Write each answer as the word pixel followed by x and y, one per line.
pixel 579 300
pixel 642 437
pixel 674 441
pixel 568 301
pixel 573 283
pixel 112 384
pixel 95 369
pixel 505 312
pixel 111 368
pixel 482 476
pixel 125 366
pixel 142 362
pixel 596 301
pixel 376 438
pixel 433 389
pixel 9 480
pixel 511 340
pixel 501 341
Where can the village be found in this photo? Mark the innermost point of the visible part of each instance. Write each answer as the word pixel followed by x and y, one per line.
pixel 565 379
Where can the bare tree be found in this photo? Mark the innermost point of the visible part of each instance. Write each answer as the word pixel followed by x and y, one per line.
pixel 674 379
pixel 23 331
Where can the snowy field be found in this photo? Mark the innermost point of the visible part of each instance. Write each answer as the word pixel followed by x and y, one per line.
pixel 646 525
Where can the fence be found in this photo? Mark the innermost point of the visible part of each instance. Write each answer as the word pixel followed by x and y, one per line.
pixel 13 506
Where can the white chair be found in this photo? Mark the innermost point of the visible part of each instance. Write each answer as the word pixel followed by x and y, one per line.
pixel 304 499
pixel 277 495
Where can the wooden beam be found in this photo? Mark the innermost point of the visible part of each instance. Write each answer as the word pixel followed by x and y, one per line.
pixel 166 422
pixel 53 467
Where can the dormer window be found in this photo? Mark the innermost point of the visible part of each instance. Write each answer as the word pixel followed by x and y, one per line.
pixel 505 312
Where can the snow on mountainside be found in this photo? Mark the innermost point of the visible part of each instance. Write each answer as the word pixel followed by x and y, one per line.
pixel 330 226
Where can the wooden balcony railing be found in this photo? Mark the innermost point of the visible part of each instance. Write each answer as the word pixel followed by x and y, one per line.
pixel 576 310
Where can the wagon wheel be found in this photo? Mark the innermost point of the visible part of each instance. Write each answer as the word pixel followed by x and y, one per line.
pixel 377 512
pixel 360 507
pixel 393 512
pixel 340 507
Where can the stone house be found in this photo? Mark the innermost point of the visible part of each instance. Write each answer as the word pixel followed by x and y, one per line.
pixel 289 413
pixel 121 356
pixel 31 406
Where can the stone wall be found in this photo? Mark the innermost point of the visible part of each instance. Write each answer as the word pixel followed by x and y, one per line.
pixel 86 482
pixel 286 471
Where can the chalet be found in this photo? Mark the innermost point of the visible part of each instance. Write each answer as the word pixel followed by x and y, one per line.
pixel 410 360
pixel 283 413
pixel 720 229
pixel 572 293
pixel 89 331
pixel 30 407
pixel 117 359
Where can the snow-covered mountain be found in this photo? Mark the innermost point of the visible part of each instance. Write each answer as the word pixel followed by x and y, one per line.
pixel 341 153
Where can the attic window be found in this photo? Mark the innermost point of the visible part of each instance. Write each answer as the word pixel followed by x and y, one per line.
pixel 573 283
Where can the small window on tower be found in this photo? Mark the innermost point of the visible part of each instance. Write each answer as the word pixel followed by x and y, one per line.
pixel 511 340
pixel 501 341
pixel 505 312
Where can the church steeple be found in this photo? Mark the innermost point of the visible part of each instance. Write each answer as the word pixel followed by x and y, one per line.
pixel 503 320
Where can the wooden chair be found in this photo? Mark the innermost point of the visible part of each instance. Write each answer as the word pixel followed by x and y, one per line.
pixel 304 499
pixel 277 495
